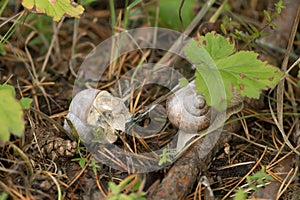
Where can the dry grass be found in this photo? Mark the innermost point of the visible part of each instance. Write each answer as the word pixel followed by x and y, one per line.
pixel 42 62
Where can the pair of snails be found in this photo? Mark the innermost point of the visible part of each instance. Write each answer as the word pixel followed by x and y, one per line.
pixel 186 110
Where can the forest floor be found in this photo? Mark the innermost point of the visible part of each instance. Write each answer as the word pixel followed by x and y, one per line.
pixel 41 59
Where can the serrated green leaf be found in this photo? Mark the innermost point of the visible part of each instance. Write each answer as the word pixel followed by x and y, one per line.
pixel 220 71
pixel 11 115
pixel 25 103
pixel 248 74
pixel 216 45
pixel 54 8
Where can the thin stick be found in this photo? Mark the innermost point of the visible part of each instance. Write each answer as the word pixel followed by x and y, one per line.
pixel 54 38
pixel 280 88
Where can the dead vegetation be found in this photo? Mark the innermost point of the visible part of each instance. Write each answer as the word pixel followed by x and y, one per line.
pixel 42 60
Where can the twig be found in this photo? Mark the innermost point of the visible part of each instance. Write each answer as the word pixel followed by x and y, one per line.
pixel 54 38
pixel 280 88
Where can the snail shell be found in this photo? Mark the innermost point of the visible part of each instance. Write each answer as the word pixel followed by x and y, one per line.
pixel 187 110
pixel 92 110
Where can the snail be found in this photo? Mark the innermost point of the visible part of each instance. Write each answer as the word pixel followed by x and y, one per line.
pixel 187 110
pixel 95 111
pixel 97 114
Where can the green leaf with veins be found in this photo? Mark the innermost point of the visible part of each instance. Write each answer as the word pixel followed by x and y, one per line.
pixel 11 114
pixel 54 8
pixel 221 71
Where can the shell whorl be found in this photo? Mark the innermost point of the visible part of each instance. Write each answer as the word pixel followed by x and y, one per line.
pixel 187 110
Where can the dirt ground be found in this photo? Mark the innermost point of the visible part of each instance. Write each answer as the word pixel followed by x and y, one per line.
pixel 42 59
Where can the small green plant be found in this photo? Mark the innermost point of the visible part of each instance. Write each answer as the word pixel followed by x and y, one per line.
pixel 81 151
pixel 249 33
pixel 116 190
pixel 82 161
pixel 253 182
pixel 278 9
pixel 221 71
pixel 11 112
pixel 165 157
pixel 279 6
pixel 94 165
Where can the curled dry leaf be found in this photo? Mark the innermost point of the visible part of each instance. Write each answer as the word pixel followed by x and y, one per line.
pixel 96 115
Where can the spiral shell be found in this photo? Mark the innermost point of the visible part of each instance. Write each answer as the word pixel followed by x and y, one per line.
pixel 187 110
pixel 92 110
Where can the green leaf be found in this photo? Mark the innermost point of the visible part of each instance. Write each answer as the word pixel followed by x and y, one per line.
pixel 220 71
pixel 94 165
pixel 3 196
pixel 87 2
pixel 183 82
pixel 2 50
pixel 82 162
pixel 136 2
pixel 279 6
pixel 169 13
pixel 25 103
pixel 114 188
pixel 164 157
pixel 267 16
pixel 8 87
pixel 11 114
pixel 240 195
pixel 54 8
